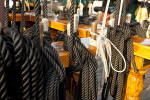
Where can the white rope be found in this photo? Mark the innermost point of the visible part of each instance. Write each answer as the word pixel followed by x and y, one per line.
pixel 103 51
pixel 120 12
pixel 101 41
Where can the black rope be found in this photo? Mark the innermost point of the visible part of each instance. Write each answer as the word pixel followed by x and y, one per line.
pixel 37 32
pixel 3 85
pixel 121 37
pixel 32 71
pixel 86 63
pixel 22 17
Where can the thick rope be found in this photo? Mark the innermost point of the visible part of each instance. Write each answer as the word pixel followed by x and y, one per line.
pixel 87 65
pixel 3 85
pixel 121 37
pixel 26 75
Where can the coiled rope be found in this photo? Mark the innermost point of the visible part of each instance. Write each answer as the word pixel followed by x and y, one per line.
pixel 85 62
pixel 121 37
pixel 29 70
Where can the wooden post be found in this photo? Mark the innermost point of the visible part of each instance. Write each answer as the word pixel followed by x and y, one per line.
pixel 135 81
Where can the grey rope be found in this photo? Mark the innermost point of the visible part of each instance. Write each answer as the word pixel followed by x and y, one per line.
pixel 22 17
pixel 121 36
pixel 7 14
pixel 14 14
pixel 45 9
pixel 37 32
pixel 71 32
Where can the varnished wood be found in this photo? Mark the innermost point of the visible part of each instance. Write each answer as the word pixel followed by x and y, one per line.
pixel 55 23
pixel 64 55
pixel 141 48
pixel 135 81
pixel 31 5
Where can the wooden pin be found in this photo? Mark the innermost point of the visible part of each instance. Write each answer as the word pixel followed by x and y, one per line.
pixel 99 16
pixel 45 22
pixel 41 33
pixel 76 22
pixel 148 32
pixel 128 18
pixel 112 20
pixel 94 29
pixel 68 29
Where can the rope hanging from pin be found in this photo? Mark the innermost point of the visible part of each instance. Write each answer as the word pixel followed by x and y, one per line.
pixel 45 9
pixel 84 62
pixel 27 68
pixel 121 37
pixel 22 17
pixel 37 32
pixel 7 14
pixel 45 21
pixel 14 14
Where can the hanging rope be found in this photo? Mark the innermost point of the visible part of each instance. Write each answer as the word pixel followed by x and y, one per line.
pixel 37 32
pixel 32 70
pixel 22 17
pixel 121 37
pixel 45 9
pixel 14 14
pixel 7 14
pixel 3 85
pixel 84 62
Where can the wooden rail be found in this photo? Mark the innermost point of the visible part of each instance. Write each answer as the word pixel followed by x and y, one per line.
pixel 55 23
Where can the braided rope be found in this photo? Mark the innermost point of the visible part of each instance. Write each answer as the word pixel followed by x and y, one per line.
pixel 7 14
pixel 71 33
pixel 37 32
pixel 14 14
pixel 26 76
pixel 17 43
pixel 41 77
pixel 45 9
pixel 122 38
pixel 87 65
pixel 5 53
pixel 34 71
pixel 22 17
